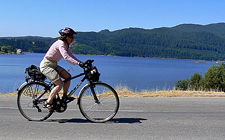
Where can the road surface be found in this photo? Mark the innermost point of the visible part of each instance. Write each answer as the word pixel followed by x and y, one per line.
pixel 138 119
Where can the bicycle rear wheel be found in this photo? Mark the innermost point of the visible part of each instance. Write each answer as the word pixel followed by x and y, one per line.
pixel 102 110
pixel 31 103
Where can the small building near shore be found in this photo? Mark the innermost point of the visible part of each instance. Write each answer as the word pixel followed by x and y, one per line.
pixel 19 51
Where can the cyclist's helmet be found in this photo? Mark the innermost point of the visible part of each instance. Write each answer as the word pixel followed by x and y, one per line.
pixel 67 32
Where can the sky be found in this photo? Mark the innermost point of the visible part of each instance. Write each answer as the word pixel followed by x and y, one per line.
pixel 46 17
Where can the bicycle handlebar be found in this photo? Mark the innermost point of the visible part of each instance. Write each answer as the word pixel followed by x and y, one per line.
pixel 86 64
pixel 89 61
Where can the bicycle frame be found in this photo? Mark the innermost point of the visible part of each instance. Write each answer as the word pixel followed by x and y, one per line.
pixel 78 85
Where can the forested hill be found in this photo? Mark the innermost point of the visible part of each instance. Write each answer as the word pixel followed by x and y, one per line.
pixel 185 41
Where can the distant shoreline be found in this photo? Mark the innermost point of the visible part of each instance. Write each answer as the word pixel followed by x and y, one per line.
pixel 197 60
pixel 11 53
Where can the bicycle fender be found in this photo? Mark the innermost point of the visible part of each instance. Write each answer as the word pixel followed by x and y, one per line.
pixel 22 86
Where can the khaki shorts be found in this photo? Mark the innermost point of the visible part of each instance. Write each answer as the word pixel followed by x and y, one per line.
pixel 51 69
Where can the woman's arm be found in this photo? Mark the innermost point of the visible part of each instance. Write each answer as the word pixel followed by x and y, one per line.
pixel 67 55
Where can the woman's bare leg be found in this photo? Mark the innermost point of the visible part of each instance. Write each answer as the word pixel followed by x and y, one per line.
pixel 65 75
pixel 55 90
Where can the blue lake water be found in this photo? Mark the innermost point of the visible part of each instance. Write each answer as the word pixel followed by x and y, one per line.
pixel 136 73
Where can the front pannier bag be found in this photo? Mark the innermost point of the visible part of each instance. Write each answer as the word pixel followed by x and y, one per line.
pixel 94 75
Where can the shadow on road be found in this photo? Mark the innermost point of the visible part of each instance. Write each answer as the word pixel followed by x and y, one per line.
pixel 127 120
pixel 115 120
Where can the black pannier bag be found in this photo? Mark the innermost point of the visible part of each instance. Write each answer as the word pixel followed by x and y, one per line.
pixel 35 73
pixel 94 74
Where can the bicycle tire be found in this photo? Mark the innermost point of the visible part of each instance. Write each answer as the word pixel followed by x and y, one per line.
pixel 103 111
pixel 29 106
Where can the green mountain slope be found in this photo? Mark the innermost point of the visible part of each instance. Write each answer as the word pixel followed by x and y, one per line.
pixel 185 41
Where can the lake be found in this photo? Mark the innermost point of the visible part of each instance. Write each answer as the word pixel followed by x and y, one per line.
pixel 136 73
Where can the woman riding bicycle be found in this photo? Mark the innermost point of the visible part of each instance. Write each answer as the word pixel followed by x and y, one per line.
pixel 49 67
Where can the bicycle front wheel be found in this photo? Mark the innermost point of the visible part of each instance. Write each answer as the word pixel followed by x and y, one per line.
pixel 100 109
pixel 31 99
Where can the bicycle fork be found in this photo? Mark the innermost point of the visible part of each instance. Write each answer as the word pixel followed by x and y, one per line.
pixel 94 94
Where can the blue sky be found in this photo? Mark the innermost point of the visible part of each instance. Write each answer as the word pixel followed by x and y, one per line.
pixel 46 17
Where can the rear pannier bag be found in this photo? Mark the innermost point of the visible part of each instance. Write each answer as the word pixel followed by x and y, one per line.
pixel 35 73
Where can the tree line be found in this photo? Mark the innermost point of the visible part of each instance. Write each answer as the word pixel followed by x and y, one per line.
pixel 205 42
pixel 214 79
pixel 10 45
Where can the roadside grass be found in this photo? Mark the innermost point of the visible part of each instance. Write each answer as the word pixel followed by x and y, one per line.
pixel 171 93
pixel 125 91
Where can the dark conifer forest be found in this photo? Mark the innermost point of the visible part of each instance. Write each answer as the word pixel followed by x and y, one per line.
pixel 185 41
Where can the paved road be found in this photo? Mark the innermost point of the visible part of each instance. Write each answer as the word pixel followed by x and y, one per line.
pixel 138 118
